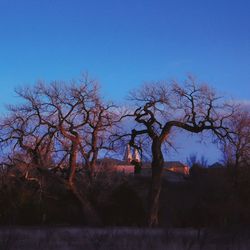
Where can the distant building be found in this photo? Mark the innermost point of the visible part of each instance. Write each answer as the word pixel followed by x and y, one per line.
pixel 128 155
pixel 127 166
pixel 126 169
pixel 136 157
pixel 131 156
pixel 177 167
pixel 173 166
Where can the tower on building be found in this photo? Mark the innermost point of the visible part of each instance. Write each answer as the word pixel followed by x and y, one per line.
pixel 136 156
pixel 128 155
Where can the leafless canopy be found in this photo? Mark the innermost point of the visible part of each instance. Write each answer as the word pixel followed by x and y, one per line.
pixel 236 151
pixel 70 123
pixel 195 108
pixel 162 106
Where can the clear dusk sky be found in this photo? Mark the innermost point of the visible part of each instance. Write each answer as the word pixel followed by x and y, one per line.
pixel 123 43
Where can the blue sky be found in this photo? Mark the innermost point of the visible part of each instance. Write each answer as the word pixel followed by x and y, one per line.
pixel 123 43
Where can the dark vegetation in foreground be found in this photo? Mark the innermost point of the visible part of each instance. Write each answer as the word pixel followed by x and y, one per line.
pixel 121 238
pixel 208 198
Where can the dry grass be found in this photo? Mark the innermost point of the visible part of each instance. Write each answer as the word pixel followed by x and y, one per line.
pixel 22 238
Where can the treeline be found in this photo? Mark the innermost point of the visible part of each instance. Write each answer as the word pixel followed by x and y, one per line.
pixel 52 139
pixel 207 198
pixel 211 197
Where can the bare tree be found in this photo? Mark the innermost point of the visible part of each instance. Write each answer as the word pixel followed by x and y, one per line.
pixel 236 152
pixel 73 116
pixel 103 117
pixel 53 107
pixel 161 107
pixel 22 133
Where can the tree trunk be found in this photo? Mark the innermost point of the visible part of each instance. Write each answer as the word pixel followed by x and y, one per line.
pixel 155 188
pixel 91 215
pixel 72 162
pixel 93 163
pixel 92 218
pixel 94 152
pixel 36 159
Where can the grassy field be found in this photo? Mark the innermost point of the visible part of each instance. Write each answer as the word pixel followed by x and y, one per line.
pixel 25 238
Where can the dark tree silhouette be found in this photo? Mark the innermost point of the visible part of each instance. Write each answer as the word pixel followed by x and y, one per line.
pixel 236 152
pixel 161 107
pixel 72 120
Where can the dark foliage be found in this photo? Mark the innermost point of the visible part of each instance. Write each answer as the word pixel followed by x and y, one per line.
pixel 210 197
pixel 124 208
pixel 28 202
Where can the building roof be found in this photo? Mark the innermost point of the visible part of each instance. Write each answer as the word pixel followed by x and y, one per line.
pixel 171 164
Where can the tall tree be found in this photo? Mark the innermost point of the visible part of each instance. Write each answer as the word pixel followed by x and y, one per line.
pixel 161 107
pixel 71 116
pixel 236 152
pixel 79 119
pixel 21 133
